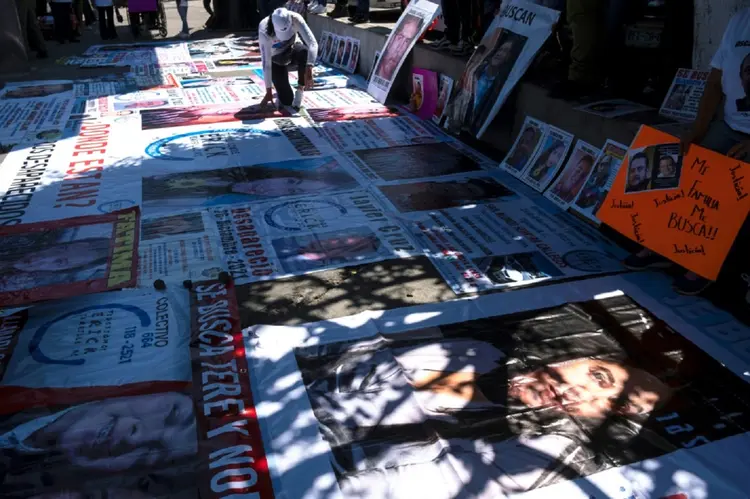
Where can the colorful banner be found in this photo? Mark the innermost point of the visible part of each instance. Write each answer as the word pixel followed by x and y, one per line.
pixel 685 94
pixel 687 209
pixel 562 391
pixel 283 238
pixel 49 260
pixel 503 56
pixel 411 25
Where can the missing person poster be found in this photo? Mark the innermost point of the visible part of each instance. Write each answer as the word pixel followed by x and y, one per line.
pixel 324 43
pixel 445 89
pixel 424 93
pixel 613 108
pixel 351 67
pixel 566 187
pixel 527 143
pixel 69 257
pixel 687 209
pixel 442 194
pixel 265 241
pixel 179 247
pixel 505 245
pixel 501 59
pixel 413 22
pixel 598 184
pixel 164 194
pixel 364 133
pixel 549 393
pixel 549 158
pixel 685 94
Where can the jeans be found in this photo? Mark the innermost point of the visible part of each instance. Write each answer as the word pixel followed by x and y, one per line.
pixel 32 35
pixel 182 10
pixel 457 16
pixel 63 27
pixel 107 23
pixel 280 74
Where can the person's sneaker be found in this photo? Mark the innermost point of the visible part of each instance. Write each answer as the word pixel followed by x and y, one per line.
pixel 317 9
pixel 359 19
pixel 462 48
pixel 184 35
pixel 338 11
pixel 298 95
pixel 442 44
pixel 649 261
pixel 690 284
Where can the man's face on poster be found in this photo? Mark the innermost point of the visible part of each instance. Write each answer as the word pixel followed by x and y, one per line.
pixel 118 434
pixel 576 176
pixel 591 388
pixel 398 46
pixel 638 172
pixel 745 75
pixel 528 140
pixel 59 258
pixel 666 167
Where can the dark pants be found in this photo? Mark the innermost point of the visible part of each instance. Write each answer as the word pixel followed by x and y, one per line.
pixel 107 23
pixel 61 13
pixel 457 17
pixel 280 74
pixel 30 30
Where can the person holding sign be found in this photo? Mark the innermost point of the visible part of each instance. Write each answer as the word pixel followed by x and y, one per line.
pixel 280 48
pixel 729 78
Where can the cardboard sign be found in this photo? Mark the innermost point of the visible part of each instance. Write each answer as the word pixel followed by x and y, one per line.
pixel 692 220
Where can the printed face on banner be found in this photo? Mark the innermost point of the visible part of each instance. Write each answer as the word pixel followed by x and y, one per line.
pixel 484 395
pixel 402 37
pixel 164 193
pixel 417 91
pixel 418 161
pixel 592 195
pixel 548 160
pixel 444 92
pixel 577 170
pixel 426 196
pixel 654 167
pixel 524 148
pixel 355 57
pixel 206 115
pixel 355 112
pixel 67 257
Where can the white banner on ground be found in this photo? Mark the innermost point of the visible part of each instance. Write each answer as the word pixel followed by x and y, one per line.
pixel 430 391
pixel 411 25
pixel 502 245
pixel 178 247
pixel 503 56
pixel 527 143
pixel 376 133
pixel 549 158
pixel 570 182
pixel 600 180
pixel 283 238
pixel 684 96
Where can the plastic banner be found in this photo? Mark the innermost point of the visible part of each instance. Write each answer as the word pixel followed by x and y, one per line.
pixel 411 25
pixel 688 209
pixel 48 260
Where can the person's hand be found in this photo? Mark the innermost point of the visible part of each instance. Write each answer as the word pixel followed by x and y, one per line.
pixel 740 151
pixel 266 99
pixel 690 138
pixel 309 81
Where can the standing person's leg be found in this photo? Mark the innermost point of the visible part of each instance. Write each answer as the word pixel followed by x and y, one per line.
pixel 340 10
pixel 182 9
pixel 88 13
pixel 33 32
pixel 55 9
pixel 23 19
pixel 452 22
pixel 111 22
pixel 463 30
pixel 280 78
pixel 299 57
pixel 363 12
pixel 78 11
pixel 583 19
pixel 103 31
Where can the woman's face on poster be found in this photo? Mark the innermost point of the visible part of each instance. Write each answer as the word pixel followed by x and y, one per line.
pixel 555 156
pixel 59 258
pixel 280 186
pixel 591 388
pixel 118 434
pixel 503 54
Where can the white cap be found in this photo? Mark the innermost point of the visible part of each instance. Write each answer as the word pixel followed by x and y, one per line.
pixel 282 24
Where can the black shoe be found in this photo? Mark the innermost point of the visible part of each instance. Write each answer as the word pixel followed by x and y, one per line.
pixel 74 40
pixel 572 90
pixel 649 261
pixel 690 286
pixel 338 11
pixel 42 54
pixel 359 19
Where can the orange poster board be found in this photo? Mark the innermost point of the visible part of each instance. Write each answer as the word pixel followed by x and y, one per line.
pixel 688 210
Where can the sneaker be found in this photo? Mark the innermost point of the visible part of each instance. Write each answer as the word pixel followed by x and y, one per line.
pixel 649 261
pixel 461 49
pixel 359 19
pixel 338 11
pixel 317 9
pixel 442 44
pixel 298 95
pixel 690 284
pixel 184 35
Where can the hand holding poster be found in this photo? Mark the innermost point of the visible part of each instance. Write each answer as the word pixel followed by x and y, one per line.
pixel 410 26
pixel 689 214
pixel 49 260
pixel 684 96
pixel 549 158
pixel 599 182
pixel 525 147
pixel 503 56
pixel 567 186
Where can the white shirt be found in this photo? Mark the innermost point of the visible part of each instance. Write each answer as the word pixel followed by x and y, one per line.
pixel 271 46
pixel 733 59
